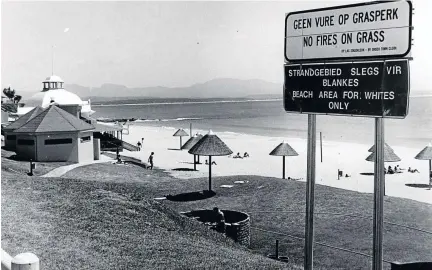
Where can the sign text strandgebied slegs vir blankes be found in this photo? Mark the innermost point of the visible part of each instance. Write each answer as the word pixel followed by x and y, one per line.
pixel 379 29
pixel 377 89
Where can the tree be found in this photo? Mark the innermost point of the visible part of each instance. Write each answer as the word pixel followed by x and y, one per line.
pixel 10 93
pixel 17 99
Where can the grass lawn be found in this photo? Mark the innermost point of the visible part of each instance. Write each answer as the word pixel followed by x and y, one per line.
pixel 278 205
pixel 110 221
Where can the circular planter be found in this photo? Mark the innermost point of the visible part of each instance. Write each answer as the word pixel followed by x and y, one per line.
pixel 237 223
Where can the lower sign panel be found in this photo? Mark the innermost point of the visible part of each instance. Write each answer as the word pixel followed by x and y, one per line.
pixel 376 89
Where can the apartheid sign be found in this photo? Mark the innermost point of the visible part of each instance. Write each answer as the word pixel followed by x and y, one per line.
pixel 376 89
pixel 359 31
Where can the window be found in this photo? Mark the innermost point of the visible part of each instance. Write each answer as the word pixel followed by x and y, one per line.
pixel 58 141
pixel 85 139
pixel 26 142
pixel 10 137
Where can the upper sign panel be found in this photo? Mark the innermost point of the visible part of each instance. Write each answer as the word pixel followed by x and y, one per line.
pixel 367 30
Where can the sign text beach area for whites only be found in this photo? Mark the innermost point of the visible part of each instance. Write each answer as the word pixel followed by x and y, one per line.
pixel 375 88
pixel 366 30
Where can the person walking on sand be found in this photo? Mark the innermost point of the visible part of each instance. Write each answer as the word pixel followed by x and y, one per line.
pixel 139 145
pixel 150 160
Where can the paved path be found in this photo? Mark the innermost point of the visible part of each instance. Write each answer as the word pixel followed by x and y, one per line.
pixel 57 172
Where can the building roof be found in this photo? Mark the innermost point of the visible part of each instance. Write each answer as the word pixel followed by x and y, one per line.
pixel 102 127
pixel 60 96
pixel 54 119
pixel 24 119
pixel 53 78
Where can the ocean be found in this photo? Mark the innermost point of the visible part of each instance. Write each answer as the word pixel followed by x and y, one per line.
pixel 268 118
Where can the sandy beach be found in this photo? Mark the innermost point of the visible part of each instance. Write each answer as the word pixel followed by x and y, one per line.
pixel 348 157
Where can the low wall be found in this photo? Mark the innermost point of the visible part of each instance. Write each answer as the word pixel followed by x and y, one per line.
pixel 237 223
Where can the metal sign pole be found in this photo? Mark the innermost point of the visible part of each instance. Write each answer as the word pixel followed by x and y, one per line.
pixel 378 195
pixel 310 189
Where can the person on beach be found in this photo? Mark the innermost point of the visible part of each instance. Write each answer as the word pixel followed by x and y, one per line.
pixel 246 155
pixel 413 170
pixel 150 160
pixel 390 170
pixel 213 163
pixel 238 155
pixel 139 145
pixel 142 141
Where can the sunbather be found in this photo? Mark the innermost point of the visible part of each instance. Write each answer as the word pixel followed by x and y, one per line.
pixel 238 155
pixel 413 170
pixel 213 162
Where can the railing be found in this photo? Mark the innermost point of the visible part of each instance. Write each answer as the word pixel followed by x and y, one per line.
pixel 129 146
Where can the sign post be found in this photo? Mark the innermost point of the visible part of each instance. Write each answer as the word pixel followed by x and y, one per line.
pixel 378 32
pixel 310 192
pixel 379 181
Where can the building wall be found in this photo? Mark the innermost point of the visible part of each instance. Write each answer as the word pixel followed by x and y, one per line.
pixel 85 148
pixel 10 144
pixel 57 152
pixel 4 117
pixel 26 152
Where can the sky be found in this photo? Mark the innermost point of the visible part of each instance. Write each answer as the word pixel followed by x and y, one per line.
pixel 173 44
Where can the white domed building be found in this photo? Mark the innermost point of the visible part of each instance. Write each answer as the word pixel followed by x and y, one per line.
pixel 53 91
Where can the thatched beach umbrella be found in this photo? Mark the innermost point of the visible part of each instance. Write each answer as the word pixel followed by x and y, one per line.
pixel 191 142
pixel 372 149
pixel 283 149
pixel 180 133
pixel 389 156
pixel 426 154
pixel 210 145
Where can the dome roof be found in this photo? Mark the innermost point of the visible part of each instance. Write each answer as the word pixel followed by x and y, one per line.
pixel 59 96
pixel 53 78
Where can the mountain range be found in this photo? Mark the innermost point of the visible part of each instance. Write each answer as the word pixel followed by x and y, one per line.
pixel 217 88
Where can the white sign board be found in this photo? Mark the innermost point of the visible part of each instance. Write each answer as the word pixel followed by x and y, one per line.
pixel 366 30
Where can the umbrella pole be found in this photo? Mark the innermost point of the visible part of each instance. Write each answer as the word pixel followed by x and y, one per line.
pixel 210 173
pixel 283 167
pixel 194 162
pixel 180 142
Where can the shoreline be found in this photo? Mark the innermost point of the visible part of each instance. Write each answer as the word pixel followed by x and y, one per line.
pixel 346 156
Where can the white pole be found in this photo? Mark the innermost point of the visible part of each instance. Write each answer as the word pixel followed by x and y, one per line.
pixel 310 189
pixel 25 261
pixel 379 181
pixel 52 60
